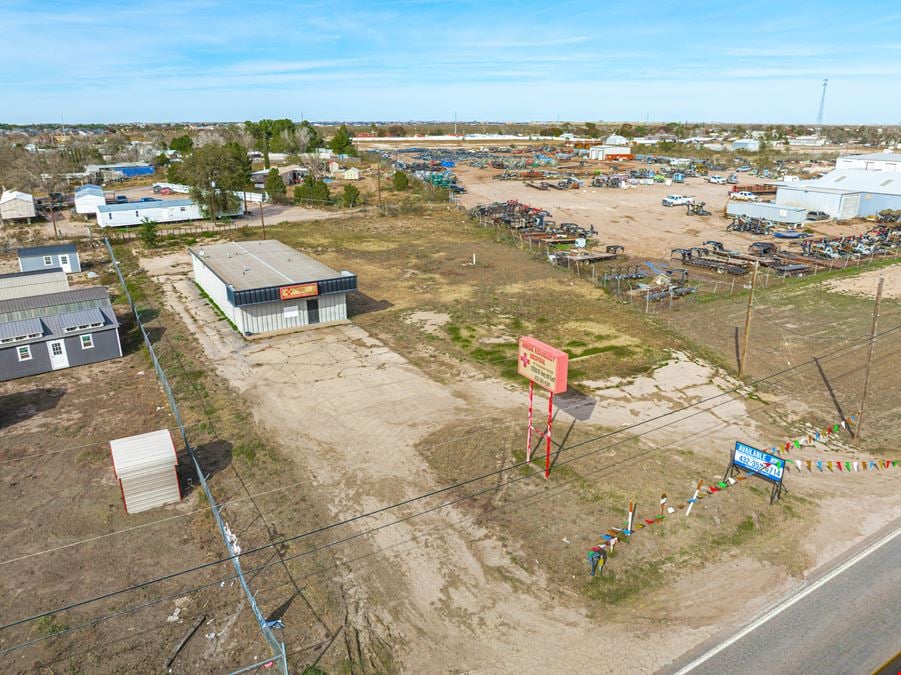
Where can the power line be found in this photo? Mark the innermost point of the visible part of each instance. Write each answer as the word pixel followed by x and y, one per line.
pixel 437 491
pixel 308 552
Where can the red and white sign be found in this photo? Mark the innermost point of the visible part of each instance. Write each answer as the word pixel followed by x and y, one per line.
pixel 298 291
pixel 542 364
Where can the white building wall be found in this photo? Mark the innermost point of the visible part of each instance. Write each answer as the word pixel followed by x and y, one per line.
pixel 892 166
pixel 160 214
pixel 268 317
pixel 833 203
pixel 17 208
pixel 214 287
pixel 87 204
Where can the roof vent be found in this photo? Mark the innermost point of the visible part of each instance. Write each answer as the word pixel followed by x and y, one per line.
pixel 202 253
pixel 245 270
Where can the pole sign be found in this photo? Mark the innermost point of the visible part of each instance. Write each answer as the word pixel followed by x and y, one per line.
pixel 542 364
pixel 759 463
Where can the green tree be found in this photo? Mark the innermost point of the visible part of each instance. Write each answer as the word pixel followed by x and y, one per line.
pixel 274 185
pixel 591 130
pixel 182 144
pixel 213 173
pixel 401 180
pixel 341 142
pixel 262 133
pixel 148 232
pixel 351 196
pixel 397 130
pixel 160 160
pixel 312 191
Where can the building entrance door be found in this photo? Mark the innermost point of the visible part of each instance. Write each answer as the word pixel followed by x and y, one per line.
pixel 58 357
pixel 313 311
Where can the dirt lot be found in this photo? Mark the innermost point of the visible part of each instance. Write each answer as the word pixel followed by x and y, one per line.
pixel 631 217
pixel 417 394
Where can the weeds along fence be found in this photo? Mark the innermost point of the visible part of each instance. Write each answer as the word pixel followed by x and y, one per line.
pixel 623 278
pixel 277 647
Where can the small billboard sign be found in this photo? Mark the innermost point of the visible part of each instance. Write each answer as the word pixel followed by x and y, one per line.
pixel 298 291
pixel 542 364
pixel 760 463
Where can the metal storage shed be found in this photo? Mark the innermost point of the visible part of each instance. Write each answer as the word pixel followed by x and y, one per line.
pixel 88 198
pixel 15 205
pixel 39 282
pixel 145 466
pixel 64 256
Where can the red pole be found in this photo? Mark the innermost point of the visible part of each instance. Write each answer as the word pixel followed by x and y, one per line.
pixel 529 441
pixel 550 420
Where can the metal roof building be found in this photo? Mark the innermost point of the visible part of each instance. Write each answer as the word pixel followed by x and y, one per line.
pixel 145 466
pixel 157 210
pixel 88 198
pixel 844 193
pixel 267 286
pixel 871 161
pixel 15 205
pixel 40 282
pixel 40 333
pixel 63 256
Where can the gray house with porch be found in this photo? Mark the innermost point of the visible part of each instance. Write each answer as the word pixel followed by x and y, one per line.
pixel 48 332
pixel 64 256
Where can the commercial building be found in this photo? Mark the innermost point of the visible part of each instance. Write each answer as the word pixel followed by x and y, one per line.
pixel 746 145
pixel 15 205
pixel 40 282
pixel 63 256
pixel 48 332
pixel 107 172
pixel 265 286
pixel 88 198
pixel 844 193
pixel 609 152
pixel 871 161
pixel 145 467
pixel 158 210
pixel 788 215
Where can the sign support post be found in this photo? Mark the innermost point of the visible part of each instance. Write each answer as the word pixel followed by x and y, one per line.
pixel 546 366
pixel 758 463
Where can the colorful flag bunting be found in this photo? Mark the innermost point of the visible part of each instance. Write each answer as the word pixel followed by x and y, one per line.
pixel 820 465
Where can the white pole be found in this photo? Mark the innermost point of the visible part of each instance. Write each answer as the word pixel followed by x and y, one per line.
pixel 692 503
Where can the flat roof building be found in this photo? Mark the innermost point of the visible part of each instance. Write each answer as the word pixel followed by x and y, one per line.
pixel 871 161
pixel 48 332
pixel 266 286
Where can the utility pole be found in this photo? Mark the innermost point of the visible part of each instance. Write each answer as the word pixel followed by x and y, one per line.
pixel 866 377
pixel 262 222
pixel 53 217
pixel 744 348
pixel 212 209
pixel 378 173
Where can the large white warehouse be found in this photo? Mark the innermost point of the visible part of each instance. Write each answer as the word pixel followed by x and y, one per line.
pixel 844 193
pixel 266 286
pixel 871 161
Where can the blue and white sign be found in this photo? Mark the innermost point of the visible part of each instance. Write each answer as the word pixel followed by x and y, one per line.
pixel 758 462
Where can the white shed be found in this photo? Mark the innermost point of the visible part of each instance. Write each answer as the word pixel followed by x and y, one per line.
pixel 145 466
pixel 353 173
pixel 15 204
pixel 88 198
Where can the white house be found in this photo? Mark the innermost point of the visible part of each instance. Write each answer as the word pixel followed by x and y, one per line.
pixel 158 210
pixel 334 167
pixel 746 145
pixel 15 205
pixel 88 198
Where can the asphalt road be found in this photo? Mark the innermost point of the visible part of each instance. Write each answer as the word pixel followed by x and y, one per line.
pixel 847 620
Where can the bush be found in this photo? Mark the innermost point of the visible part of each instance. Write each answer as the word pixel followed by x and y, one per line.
pixel 401 180
pixel 148 233
pixel 312 192
pixel 49 625
pixel 351 196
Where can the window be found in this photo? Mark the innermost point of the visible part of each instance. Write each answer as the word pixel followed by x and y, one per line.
pixel 56 348
pixel 63 260
pixel 24 353
pixel 87 341
pixel 48 260
pixel 109 216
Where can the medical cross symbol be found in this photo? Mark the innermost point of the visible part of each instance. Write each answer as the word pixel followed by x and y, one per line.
pixel 525 360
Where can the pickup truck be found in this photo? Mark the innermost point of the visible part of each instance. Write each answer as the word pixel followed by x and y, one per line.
pixel 676 200
pixel 716 180
pixel 743 196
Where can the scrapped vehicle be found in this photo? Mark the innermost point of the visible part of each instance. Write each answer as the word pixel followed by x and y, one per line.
pixel 818 215
pixel 676 200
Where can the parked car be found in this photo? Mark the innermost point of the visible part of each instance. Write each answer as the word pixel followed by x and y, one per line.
pixel 716 180
pixel 818 215
pixel 156 189
pixel 166 191
pixel 732 179
pixel 121 199
pixel 744 169
pixel 743 196
pixel 149 199
pixel 676 200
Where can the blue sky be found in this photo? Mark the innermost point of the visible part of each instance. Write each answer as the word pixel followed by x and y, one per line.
pixel 173 60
